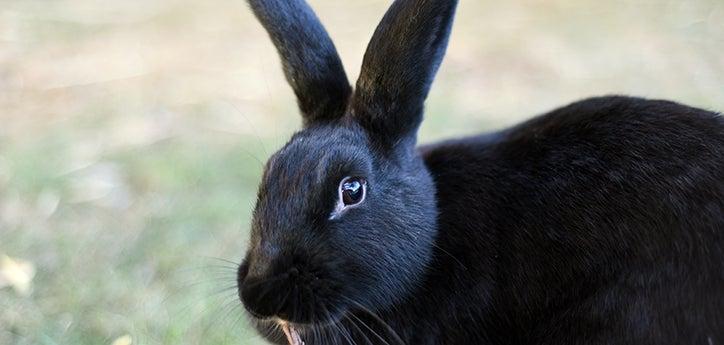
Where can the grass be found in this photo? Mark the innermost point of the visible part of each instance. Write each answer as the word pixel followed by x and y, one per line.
pixel 133 133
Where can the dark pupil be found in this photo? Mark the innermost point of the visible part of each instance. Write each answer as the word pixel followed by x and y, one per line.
pixel 352 192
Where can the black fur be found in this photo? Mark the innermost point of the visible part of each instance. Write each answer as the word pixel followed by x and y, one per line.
pixel 600 222
pixel 311 63
pixel 399 66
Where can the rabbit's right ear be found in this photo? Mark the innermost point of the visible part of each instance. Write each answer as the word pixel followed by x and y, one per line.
pixel 310 61
pixel 399 66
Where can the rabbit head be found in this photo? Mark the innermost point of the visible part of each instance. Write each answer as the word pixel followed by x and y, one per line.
pixel 346 213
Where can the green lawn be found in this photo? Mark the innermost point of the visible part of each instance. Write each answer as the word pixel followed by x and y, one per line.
pixel 133 135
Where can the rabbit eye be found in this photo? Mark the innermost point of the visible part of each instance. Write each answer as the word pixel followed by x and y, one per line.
pixel 352 190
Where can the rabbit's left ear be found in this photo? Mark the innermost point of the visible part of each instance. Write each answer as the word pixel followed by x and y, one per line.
pixel 310 61
pixel 399 66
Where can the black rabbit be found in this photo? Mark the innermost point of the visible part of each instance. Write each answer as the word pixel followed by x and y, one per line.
pixel 597 223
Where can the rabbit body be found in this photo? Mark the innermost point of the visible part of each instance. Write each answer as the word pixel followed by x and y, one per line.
pixel 597 223
pixel 601 222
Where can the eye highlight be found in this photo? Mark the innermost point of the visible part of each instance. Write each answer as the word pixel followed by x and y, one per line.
pixel 352 190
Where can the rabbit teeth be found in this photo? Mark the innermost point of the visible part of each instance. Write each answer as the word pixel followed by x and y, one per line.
pixel 292 335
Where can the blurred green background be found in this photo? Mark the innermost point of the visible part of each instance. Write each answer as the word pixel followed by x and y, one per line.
pixel 133 133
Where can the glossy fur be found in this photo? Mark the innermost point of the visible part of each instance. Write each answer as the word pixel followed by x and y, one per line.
pixel 600 222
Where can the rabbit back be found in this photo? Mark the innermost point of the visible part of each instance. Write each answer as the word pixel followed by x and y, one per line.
pixel 600 221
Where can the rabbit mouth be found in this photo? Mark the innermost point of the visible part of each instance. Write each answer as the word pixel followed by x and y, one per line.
pixel 292 334
pixel 282 331
pixel 342 329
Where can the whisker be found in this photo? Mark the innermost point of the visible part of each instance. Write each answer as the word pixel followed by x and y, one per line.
pixel 370 329
pixel 343 332
pixel 236 264
pixel 359 330
pixel 335 325
pixel 452 256
pixel 223 314
pixel 387 327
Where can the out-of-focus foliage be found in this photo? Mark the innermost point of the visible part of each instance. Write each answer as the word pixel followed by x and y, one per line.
pixel 132 136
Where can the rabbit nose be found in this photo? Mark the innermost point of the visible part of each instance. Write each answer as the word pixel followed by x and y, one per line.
pixel 260 285
pixel 281 294
pixel 263 298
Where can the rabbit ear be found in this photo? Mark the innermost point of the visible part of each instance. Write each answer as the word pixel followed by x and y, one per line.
pixel 309 58
pixel 399 66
